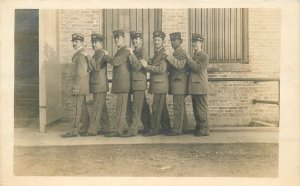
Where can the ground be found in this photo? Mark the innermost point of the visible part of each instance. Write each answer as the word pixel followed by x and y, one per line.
pixel 216 160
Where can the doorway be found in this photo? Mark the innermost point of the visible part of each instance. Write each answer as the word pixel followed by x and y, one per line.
pixel 26 88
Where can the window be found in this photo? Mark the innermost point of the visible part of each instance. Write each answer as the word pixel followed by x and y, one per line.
pixel 145 20
pixel 225 30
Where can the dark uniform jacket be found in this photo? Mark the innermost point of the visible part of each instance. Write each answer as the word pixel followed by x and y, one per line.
pixel 79 74
pixel 159 82
pixel 178 72
pixel 138 73
pixel 98 75
pixel 121 73
pixel 198 80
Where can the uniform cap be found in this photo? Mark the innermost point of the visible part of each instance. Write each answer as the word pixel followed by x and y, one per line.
pixel 175 35
pixel 197 37
pixel 77 36
pixel 97 37
pixel 159 34
pixel 135 34
pixel 117 33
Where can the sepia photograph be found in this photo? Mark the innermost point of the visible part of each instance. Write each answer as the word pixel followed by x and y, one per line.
pixel 147 92
pixel 143 94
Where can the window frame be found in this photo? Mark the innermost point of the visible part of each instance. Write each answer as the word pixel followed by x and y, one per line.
pixel 192 14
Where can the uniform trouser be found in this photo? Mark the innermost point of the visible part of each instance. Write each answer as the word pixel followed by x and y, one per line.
pixel 146 116
pixel 139 101
pixel 180 115
pixel 158 106
pixel 81 119
pixel 129 110
pixel 165 118
pixel 121 108
pixel 200 109
pixel 105 119
pixel 99 113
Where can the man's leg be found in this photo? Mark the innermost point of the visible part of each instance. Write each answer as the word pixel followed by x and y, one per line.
pixel 76 122
pixel 137 105
pixel 185 126
pixel 195 111
pixel 200 108
pixel 85 117
pixel 129 110
pixel 165 120
pixel 105 120
pixel 146 116
pixel 157 109
pixel 121 107
pixel 97 109
pixel 178 105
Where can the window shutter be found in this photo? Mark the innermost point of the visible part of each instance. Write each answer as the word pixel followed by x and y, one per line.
pixel 225 30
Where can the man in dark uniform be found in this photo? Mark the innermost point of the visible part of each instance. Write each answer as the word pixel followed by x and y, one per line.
pixel 140 106
pixel 120 81
pixel 159 83
pixel 79 86
pixel 98 86
pixel 178 83
pixel 198 85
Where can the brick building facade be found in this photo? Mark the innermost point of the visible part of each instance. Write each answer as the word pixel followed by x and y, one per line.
pixel 230 102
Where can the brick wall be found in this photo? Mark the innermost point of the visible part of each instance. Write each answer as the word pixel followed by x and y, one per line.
pixel 70 21
pixel 82 21
pixel 230 103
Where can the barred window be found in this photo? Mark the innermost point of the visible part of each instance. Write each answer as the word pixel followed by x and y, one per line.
pixel 225 30
pixel 145 20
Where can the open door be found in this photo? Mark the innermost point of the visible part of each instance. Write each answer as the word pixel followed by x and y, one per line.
pixel 50 91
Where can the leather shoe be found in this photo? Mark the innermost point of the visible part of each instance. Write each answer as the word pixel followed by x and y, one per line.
pixel 80 132
pixel 103 132
pixel 69 135
pixel 172 133
pixel 88 134
pixel 150 133
pixel 112 134
pixel 188 132
pixel 164 131
pixel 201 133
pixel 128 134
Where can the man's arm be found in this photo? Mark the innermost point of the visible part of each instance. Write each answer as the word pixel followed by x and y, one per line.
pixel 196 67
pixel 81 71
pixel 179 64
pixel 161 68
pixel 120 59
pixel 135 63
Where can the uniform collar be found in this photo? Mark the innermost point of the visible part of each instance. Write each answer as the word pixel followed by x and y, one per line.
pixel 99 50
pixel 138 49
pixel 177 50
pixel 197 52
pixel 122 47
pixel 78 49
pixel 158 49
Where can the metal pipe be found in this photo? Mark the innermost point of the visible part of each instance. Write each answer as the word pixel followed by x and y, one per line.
pixel 254 101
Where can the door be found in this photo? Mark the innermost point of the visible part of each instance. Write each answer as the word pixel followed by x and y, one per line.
pixel 26 94
pixel 50 91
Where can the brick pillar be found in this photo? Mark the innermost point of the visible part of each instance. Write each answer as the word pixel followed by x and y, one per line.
pixel 175 20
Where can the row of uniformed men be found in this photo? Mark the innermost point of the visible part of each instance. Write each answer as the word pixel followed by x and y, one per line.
pixel 177 74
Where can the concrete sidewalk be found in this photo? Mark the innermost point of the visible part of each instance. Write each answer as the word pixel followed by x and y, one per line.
pixel 31 137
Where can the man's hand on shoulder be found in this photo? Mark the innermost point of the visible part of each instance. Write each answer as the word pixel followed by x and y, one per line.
pixel 144 63
pixel 105 52
pixel 130 50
